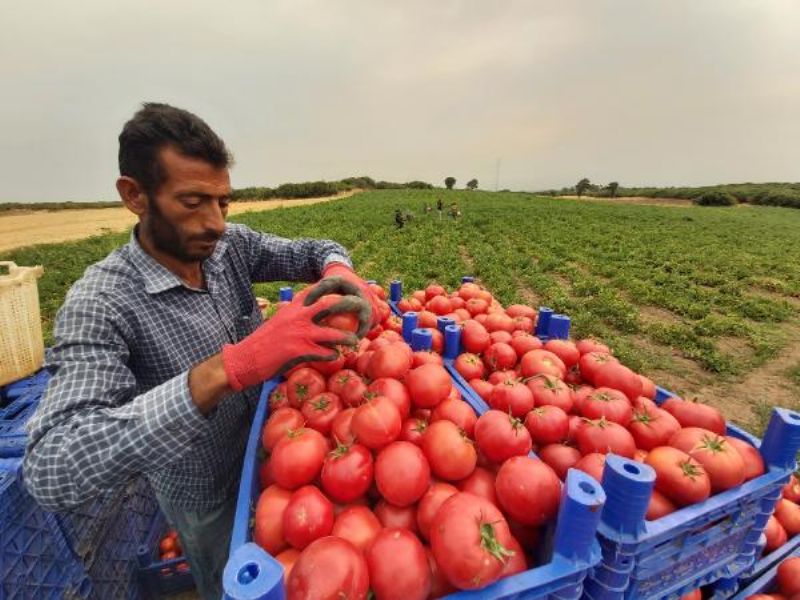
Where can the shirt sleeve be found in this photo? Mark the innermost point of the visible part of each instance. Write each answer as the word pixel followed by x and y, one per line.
pixel 92 432
pixel 273 258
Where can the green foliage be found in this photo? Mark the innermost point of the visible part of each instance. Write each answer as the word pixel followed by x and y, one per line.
pixel 6 206
pixel 253 193
pixel 472 184
pixel 715 198
pixel 450 182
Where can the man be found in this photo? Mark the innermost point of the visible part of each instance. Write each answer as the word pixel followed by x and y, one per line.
pixel 159 348
pixel 398 218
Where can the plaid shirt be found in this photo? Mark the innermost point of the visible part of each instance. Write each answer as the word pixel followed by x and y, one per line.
pixel 126 337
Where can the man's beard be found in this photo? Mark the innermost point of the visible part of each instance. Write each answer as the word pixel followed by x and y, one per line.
pixel 165 237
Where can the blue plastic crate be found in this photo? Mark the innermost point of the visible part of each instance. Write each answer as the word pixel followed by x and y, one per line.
pixel 13 419
pixel 766 580
pixel 767 561
pixel 113 567
pixel 158 577
pixel 35 560
pixel 16 389
pixel 253 574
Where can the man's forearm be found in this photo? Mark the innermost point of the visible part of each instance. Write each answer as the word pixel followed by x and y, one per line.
pixel 208 383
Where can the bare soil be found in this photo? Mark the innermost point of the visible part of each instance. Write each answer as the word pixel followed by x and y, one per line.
pixel 29 227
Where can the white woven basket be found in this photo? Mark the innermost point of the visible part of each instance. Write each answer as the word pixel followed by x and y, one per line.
pixel 21 343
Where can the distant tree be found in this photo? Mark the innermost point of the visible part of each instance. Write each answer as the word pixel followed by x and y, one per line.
pixel 450 182
pixel 472 184
pixel 612 188
pixel 583 185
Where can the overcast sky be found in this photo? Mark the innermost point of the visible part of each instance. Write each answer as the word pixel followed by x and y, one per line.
pixel 675 92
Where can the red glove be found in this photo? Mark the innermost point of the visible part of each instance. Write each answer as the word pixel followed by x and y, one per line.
pixel 290 337
pixel 338 269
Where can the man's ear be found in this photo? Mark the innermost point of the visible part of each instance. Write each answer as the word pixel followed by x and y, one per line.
pixel 132 195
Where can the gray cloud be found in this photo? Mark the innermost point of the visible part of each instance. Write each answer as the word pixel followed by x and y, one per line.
pixel 678 92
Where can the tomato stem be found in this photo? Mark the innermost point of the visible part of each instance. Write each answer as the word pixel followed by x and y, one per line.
pixel 490 543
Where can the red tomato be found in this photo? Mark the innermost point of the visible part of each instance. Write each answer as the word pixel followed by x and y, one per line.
pixel 693 595
pixel 358 525
pixel 575 423
pixel 659 506
pixel 337 381
pixel 500 337
pixel 439 305
pixel 392 361
pixel 450 453
pixel 592 464
pixel 753 462
pixel 302 384
pixel 791 491
pixel 480 483
pixel 395 391
pixel 345 569
pixel 321 410
pixel 439 584
pixel 307 517
pixel 776 535
pixel 520 310
pixel 652 427
pixel 517 562
pixel 523 324
pixel 352 391
pixel 279 424
pixel 476 306
pixel 501 436
pixel 457 411
pixel 609 403
pixel 560 457
pixel 789 576
pixel 430 503
pixel 579 394
pixel 287 558
pixel 347 473
pixel 524 343
pixel 402 473
pixel 329 367
pixel 434 290
pixel 548 390
pixel 694 414
pixel 297 459
pixel 428 385
pixel 398 566
pixel 376 423
pixel 412 430
pixel 605 437
pixel 278 398
pixel 590 363
pixel 340 428
pixel 470 366
pixel 499 377
pixel 565 350
pixel 470 541
pixel 648 387
pixel 395 516
pixel 499 322
pixel 513 397
pixel 344 321
pixel 542 362
pixel 528 490
pixel 474 337
pixel 499 357
pixel 619 377
pixel 265 477
pixel 424 357
pixel 721 461
pixel 591 345
pixel 547 425
pixel 788 514
pixel 483 388
pixel 268 525
pixel 678 476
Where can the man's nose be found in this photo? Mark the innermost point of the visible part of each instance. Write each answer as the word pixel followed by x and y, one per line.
pixel 214 217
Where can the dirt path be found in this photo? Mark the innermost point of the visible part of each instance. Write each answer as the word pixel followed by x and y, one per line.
pixel 29 227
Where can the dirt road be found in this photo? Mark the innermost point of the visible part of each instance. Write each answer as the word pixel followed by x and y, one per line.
pixel 29 227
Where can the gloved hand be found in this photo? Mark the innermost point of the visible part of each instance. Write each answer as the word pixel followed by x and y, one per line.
pixel 342 270
pixel 293 335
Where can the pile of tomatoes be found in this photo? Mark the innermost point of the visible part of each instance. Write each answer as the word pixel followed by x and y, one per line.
pixel 785 522
pixel 378 476
pixel 573 403
pixel 787 580
pixel 169 547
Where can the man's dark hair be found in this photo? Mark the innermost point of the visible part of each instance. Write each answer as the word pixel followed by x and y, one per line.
pixel 156 126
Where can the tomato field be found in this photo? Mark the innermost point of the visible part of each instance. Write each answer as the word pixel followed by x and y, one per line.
pixel 702 300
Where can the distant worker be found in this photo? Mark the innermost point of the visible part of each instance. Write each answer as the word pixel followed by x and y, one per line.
pixel 454 212
pixel 428 208
pixel 439 207
pixel 398 218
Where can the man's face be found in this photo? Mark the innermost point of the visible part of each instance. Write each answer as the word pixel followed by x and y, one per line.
pixel 186 216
